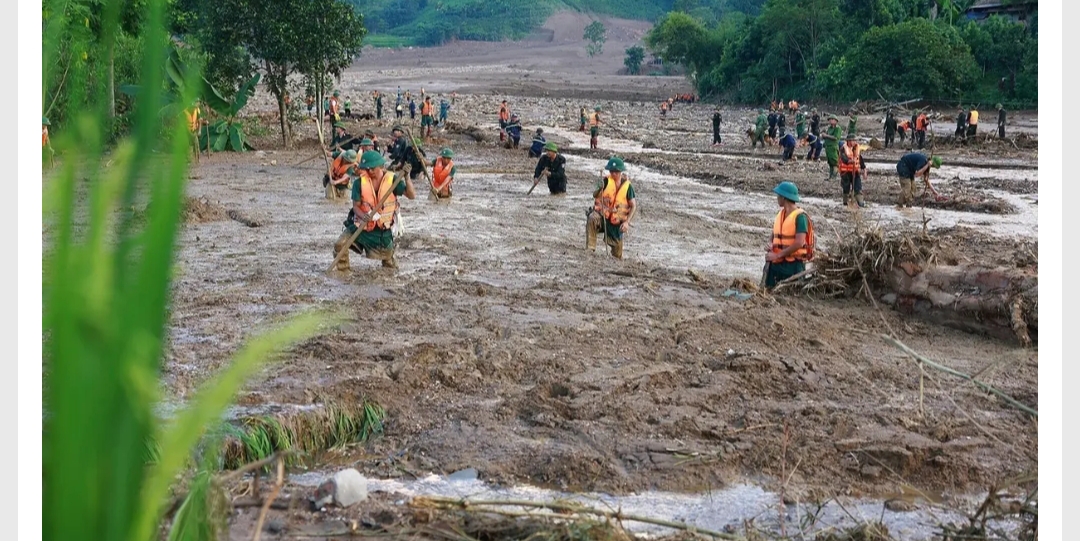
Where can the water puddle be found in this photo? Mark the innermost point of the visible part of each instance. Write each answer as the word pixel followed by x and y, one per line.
pixel 716 510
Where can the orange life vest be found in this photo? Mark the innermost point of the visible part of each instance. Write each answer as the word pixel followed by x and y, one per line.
pixel 504 113
pixel 333 106
pixel 425 108
pixel 442 173
pixel 920 123
pixel 793 105
pixel 973 118
pixel 612 203
pixel 369 200
pixel 852 153
pixel 594 119
pixel 904 125
pixel 784 235
pixel 340 167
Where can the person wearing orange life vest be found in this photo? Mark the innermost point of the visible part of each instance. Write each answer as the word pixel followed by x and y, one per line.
pixel 427 116
pixel 443 174
pixel 340 171
pixel 972 122
pixel 335 106
pixel 376 238
pixel 594 127
pixel 45 132
pixel 195 121
pixel 852 170
pixel 922 123
pixel 614 207
pixel 792 237
pixel 504 119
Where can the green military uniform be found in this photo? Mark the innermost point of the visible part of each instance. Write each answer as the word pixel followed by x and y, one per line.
pixel 377 243
pixel 832 147
pixel 759 128
pixel 800 124
pixel 852 120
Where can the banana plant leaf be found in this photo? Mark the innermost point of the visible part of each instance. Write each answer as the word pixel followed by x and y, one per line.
pixel 244 94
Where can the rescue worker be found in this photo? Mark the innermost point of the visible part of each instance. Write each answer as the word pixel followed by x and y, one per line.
pixel 370 135
pixel 890 128
pixel 852 170
pixel 831 139
pixel 781 124
pixel 792 237
pixel 793 105
pixel 774 117
pixel 759 129
pixel 553 166
pixel 911 165
pixel 335 107
pixel 45 132
pixel 922 123
pixel 412 109
pixel 504 119
pixel 538 142
pixel 513 130
pixel 663 110
pixel 406 152
pixel 584 119
pixel 851 123
pixel 788 142
pixel 961 122
pixel 342 140
pixel 376 239
pixel 903 128
pixel 814 142
pixel 800 124
pixel 310 105
pixel 972 122
pixel 348 107
pixel 716 127
pixel 366 144
pixel 444 111
pixel 340 171
pixel 442 174
pixel 1001 121
pixel 194 119
pixel 815 122
pixel 399 111
pixel 613 209
pixel 427 116
pixel 594 127
pixel 378 105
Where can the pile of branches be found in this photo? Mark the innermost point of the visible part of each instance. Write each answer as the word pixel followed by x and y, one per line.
pixel 861 261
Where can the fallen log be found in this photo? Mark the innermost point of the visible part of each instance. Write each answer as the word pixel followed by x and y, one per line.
pixel 1000 302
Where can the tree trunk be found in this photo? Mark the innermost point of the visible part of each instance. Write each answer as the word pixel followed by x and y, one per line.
pixel 1000 302
pixel 112 82
pixel 284 127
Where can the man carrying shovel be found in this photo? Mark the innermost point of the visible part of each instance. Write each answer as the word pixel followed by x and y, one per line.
pixel 374 195
pixel 339 174
pixel 614 206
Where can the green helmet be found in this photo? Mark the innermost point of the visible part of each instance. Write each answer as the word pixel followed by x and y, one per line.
pixel 371 159
pixel 850 137
pixel 397 128
pixel 998 106
pixel 337 93
pixel 551 146
pixel 833 117
pixel 365 142
pixel 788 190
pixel 615 164
pixel 761 111
pixel 350 156
pixel 339 125
pixel 597 108
pixel 447 153
pixel 936 161
pixel 45 121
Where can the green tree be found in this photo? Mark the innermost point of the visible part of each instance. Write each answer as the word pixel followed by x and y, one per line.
pixel 916 58
pixel 634 57
pixel 678 38
pixel 283 37
pixel 596 35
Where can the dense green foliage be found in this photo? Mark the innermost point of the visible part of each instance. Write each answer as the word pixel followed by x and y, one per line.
pixel 849 49
pixel 433 22
pixel 634 57
pixel 107 278
pixel 596 35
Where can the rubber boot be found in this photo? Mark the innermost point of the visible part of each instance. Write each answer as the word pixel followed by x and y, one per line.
pixel 847 199
pixel 859 200
pixel 590 235
pixel 343 264
pixel 616 249
pixel 390 263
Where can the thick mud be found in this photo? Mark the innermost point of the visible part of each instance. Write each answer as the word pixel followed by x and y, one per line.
pixel 500 343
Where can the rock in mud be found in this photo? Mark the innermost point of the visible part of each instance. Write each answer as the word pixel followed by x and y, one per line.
pixel 345 489
pixel 468 474
pixel 900 506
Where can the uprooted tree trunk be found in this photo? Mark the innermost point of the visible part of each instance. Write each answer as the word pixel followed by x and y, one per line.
pixel 905 272
pixel 998 302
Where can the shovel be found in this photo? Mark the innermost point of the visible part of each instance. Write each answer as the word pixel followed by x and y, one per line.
pixel 363 220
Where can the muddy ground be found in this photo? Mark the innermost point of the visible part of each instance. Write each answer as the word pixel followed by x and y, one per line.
pixel 501 344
